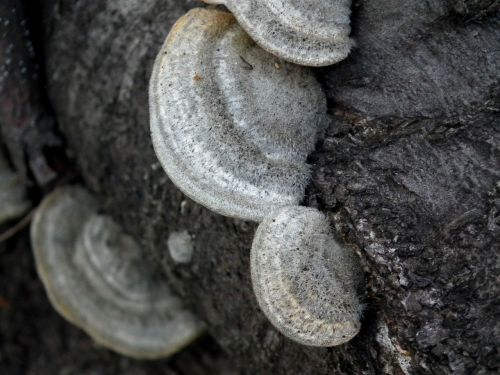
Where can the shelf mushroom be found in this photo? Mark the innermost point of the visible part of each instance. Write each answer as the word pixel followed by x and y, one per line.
pixel 231 124
pixel 97 277
pixel 311 33
pixel 13 201
pixel 305 282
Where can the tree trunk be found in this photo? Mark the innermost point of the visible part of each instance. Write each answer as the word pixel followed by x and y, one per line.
pixel 408 173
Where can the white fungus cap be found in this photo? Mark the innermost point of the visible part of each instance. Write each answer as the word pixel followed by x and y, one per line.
pixel 98 278
pixel 311 33
pixel 306 283
pixel 231 124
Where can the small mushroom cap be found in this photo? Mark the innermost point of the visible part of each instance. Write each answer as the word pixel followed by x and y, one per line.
pixel 180 246
pixel 97 278
pixel 231 124
pixel 311 33
pixel 13 202
pixel 306 282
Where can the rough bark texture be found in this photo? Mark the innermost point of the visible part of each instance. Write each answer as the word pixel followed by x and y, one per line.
pixel 26 119
pixel 408 173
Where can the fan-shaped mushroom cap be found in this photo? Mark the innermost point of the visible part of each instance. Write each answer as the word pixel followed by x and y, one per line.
pixel 312 33
pixel 305 281
pixel 13 202
pixel 231 124
pixel 97 277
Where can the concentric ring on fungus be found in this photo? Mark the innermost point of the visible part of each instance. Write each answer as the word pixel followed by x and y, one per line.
pixel 97 277
pixel 305 282
pixel 311 33
pixel 231 124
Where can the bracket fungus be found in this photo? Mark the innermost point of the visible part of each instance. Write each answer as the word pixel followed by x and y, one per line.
pixel 311 33
pixel 97 278
pixel 13 201
pixel 231 124
pixel 306 283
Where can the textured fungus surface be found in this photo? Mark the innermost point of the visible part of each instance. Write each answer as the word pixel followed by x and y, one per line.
pixel 232 125
pixel 305 281
pixel 97 278
pixel 13 201
pixel 312 33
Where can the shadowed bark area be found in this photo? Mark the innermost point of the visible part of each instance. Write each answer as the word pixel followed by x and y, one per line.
pixel 408 173
pixel 26 119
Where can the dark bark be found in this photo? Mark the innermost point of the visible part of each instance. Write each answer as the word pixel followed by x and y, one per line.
pixel 411 169
pixel 408 173
pixel 475 9
pixel 27 124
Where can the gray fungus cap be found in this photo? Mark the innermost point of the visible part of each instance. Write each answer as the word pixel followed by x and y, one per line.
pixel 312 33
pixel 305 282
pixel 231 124
pixel 97 277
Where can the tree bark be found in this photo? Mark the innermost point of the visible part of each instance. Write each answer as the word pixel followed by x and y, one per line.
pixel 408 173
pixel 27 124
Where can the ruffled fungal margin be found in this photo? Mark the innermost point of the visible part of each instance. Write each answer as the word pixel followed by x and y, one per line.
pixel 13 201
pixel 311 33
pixel 306 283
pixel 97 278
pixel 231 124
pixel 180 247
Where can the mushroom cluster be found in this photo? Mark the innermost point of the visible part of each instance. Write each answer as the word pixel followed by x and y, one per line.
pixel 232 125
pixel 233 120
pixel 96 276
pixel 13 200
